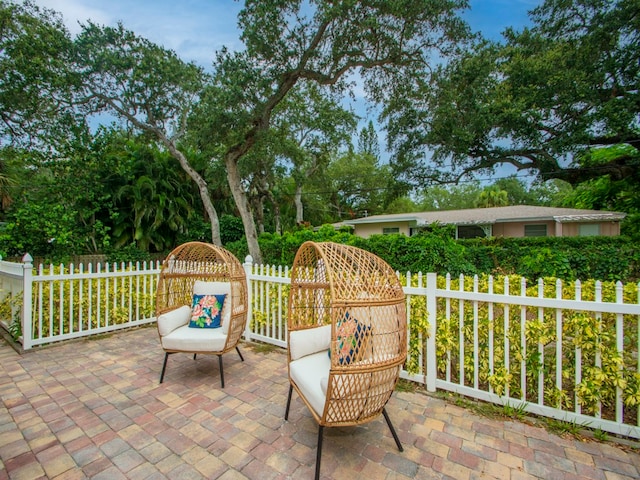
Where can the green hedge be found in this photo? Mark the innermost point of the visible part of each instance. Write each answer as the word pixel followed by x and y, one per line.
pixel 568 258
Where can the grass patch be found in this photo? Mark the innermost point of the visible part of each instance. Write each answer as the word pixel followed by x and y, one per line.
pixel 561 427
pixel 406 386
pixel 263 348
pixel 97 337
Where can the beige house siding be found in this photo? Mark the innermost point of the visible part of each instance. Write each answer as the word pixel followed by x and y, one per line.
pixel 507 221
pixel 610 229
pixel 365 230
pixel 505 229
pixel 516 229
pixel 554 229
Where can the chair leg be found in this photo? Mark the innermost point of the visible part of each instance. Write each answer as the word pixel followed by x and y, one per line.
pixel 221 370
pixel 164 366
pixel 319 452
pixel 393 432
pixel 286 412
pixel 238 350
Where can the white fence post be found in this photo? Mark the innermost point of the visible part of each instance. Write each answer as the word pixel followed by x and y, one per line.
pixel 248 265
pixel 432 370
pixel 27 299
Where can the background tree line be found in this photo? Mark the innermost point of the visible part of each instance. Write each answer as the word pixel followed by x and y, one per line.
pixel 263 143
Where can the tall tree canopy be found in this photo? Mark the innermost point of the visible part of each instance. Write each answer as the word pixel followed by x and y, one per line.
pixel 145 85
pixel 543 101
pixel 35 74
pixel 323 42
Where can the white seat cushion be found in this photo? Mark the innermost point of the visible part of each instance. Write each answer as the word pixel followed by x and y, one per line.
pixel 187 339
pixel 306 373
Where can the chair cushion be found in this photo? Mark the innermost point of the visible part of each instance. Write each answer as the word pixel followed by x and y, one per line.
pixel 217 288
pixel 206 311
pixel 309 341
pixel 306 373
pixel 169 321
pixel 352 339
pixel 185 339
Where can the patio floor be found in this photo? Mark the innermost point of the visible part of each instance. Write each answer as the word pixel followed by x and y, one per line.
pixel 94 409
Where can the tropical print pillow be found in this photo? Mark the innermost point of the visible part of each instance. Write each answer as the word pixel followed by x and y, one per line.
pixel 206 311
pixel 352 337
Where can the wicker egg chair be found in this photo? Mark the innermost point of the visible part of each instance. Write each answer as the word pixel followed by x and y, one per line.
pixel 347 336
pixel 203 268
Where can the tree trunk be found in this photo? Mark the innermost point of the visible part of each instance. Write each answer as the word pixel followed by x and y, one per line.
pixel 277 218
pixel 297 199
pixel 259 212
pixel 242 203
pixel 202 188
pixel 276 212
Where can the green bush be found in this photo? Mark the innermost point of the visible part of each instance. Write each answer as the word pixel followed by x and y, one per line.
pixel 568 258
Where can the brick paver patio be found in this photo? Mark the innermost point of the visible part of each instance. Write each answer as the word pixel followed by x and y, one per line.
pixel 94 409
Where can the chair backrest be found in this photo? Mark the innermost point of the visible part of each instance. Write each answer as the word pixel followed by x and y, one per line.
pixel 206 262
pixel 361 297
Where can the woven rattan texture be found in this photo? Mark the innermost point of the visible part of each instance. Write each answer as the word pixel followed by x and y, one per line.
pixel 331 282
pixel 206 262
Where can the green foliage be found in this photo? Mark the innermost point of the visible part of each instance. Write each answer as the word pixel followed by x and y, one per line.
pixel 561 427
pixel 418 330
pixel 550 92
pixel 49 231
pixel 231 229
pixel 492 197
pixel 10 308
pixel 35 80
pixel 600 435
pixel 610 192
pixel 130 253
pixel 603 258
pixel 96 302
pixel 544 262
pixel 525 342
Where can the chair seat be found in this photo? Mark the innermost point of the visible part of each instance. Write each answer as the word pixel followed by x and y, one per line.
pixel 195 340
pixel 309 373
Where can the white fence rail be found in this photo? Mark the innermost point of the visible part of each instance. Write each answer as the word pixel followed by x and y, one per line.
pixel 568 352
pixel 64 302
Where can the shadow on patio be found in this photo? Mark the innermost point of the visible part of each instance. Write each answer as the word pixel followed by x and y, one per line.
pixel 94 409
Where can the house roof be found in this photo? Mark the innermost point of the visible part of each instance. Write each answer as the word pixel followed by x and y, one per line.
pixel 488 216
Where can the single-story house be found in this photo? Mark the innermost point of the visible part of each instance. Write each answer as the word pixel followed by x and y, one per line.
pixel 512 221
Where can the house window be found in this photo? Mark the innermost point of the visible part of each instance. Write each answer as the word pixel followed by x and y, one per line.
pixel 539 230
pixel 471 231
pixel 390 230
pixel 589 229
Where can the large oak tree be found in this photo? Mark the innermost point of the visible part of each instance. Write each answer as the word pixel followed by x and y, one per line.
pixel 323 42
pixel 543 101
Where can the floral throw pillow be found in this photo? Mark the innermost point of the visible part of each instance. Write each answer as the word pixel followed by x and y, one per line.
pixel 206 311
pixel 352 339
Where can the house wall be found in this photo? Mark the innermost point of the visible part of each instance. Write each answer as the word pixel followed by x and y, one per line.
pixel 607 229
pixel 365 230
pixel 516 229
pixel 506 229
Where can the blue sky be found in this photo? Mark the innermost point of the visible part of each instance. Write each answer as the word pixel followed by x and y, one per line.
pixel 195 29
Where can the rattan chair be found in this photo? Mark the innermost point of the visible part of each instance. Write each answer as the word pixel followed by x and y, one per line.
pixel 197 267
pixel 347 336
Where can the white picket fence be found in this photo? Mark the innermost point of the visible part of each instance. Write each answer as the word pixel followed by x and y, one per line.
pixel 497 343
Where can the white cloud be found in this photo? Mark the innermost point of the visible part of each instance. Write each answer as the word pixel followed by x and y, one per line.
pixel 194 29
pixel 76 11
